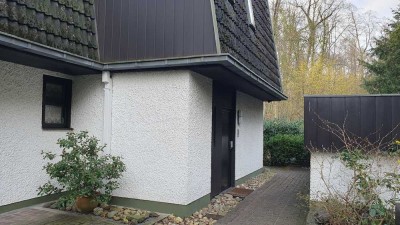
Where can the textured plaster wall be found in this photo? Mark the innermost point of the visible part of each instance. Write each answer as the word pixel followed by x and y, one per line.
pixel 165 142
pixel 249 135
pixel 87 105
pixel 328 171
pixel 21 136
pixel 200 130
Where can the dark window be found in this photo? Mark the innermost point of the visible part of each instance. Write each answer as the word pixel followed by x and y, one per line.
pixel 232 1
pixel 56 107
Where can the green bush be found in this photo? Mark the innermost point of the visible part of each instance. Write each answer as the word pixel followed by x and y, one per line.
pixel 275 127
pixel 283 143
pixel 82 169
pixel 286 149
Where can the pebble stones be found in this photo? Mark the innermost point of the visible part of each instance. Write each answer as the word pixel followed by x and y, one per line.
pixel 111 214
pixel 124 215
pixel 98 211
pixel 258 181
pixel 219 206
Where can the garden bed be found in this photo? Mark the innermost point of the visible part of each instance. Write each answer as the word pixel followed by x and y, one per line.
pixel 220 205
pixel 124 215
pixel 218 208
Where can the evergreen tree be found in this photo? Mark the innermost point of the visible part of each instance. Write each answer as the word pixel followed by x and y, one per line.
pixel 385 68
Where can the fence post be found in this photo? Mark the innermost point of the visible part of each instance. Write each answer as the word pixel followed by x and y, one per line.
pixel 397 213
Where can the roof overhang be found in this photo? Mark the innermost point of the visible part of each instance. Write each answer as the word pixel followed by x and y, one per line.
pixel 223 67
pixel 21 51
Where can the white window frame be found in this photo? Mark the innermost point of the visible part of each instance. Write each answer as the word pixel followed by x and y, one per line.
pixel 250 13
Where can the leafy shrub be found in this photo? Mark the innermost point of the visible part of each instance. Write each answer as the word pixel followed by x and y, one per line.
pixel 283 143
pixel 83 171
pixel 286 149
pixel 275 127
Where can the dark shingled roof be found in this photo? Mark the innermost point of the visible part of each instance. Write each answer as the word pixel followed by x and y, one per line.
pixel 255 48
pixel 151 34
pixel 67 25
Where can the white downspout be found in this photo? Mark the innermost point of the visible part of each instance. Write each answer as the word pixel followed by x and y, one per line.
pixel 107 120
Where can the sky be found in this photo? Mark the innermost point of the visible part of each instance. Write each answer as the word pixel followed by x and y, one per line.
pixel 383 8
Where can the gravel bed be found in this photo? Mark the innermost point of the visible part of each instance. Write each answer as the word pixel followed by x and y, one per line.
pixel 259 180
pixel 220 205
pixel 124 215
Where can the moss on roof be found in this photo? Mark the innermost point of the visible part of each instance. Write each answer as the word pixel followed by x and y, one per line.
pixel 68 25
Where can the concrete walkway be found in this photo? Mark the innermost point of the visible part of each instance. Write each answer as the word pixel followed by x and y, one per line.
pixel 37 215
pixel 275 203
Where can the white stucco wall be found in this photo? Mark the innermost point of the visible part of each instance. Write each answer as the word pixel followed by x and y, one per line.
pixel 162 128
pixel 87 105
pixel 249 135
pixel 328 171
pixel 200 127
pixel 161 125
pixel 21 136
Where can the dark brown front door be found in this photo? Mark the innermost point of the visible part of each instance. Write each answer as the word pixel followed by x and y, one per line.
pixel 222 165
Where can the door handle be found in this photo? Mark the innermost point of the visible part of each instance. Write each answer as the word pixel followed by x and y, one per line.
pixel 231 145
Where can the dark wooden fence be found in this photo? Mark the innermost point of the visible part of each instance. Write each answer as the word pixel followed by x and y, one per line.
pixel 367 116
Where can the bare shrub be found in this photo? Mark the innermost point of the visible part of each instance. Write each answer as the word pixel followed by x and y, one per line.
pixel 359 185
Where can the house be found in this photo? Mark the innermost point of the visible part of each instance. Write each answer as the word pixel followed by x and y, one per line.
pixel 176 87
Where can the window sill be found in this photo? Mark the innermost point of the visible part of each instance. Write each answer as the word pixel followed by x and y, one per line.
pixel 56 128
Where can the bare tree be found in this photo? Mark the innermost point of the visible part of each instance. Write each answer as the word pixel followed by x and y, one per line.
pixel 318 14
pixel 309 33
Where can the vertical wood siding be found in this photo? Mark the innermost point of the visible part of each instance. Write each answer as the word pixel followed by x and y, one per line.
pixel 148 29
pixel 371 117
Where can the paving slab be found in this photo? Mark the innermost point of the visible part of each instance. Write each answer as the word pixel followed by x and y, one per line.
pixel 38 215
pixel 277 202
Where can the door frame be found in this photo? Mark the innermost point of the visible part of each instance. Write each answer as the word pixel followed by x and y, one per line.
pixel 222 89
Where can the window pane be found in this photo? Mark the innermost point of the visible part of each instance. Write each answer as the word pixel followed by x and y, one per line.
pixel 53 114
pixel 250 12
pixel 54 93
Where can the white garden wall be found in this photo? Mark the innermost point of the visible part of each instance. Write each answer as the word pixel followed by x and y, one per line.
pixel 249 135
pixel 21 136
pixel 328 171
pixel 161 125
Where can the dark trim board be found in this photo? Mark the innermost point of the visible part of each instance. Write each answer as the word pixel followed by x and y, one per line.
pixel 21 51
pixel 29 202
pixel 162 207
pixel 221 67
pixel 249 176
